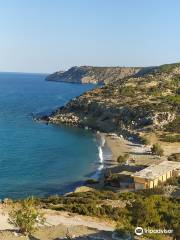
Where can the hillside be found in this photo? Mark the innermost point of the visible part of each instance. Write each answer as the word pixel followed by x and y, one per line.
pixel 95 75
pixel 143 103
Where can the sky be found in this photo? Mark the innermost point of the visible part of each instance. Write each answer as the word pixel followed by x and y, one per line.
pixel 50 35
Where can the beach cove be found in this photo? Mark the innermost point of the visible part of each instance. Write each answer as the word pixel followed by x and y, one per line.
pixel 39 159
pixel 32 147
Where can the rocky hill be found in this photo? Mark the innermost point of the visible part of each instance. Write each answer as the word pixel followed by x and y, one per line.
pixel 142 103
pixel 95 75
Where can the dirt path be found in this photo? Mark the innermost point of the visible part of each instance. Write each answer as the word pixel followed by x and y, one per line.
pixel 4 220
pixel 54 218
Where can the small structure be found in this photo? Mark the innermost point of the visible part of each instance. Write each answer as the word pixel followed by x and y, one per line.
pixel 152 175
pixel 125 179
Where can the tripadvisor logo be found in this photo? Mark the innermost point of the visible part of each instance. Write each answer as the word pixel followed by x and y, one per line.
pixel 139 231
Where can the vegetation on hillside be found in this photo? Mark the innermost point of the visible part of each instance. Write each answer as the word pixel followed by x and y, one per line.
pixel 170 138
pixel 174 126
pixel 147 209
pixel 130 104
pixel 167 68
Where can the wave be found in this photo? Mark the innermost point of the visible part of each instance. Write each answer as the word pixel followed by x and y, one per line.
pixel 101 159
pixel 104 155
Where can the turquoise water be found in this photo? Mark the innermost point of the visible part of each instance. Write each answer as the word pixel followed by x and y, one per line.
pixel 35 158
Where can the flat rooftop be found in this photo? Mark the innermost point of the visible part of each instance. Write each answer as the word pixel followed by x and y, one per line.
pixel 157 170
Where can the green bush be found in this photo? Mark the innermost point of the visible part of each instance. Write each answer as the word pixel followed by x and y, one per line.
pixel 145 140
pixel 26 216
pixel 91 181
pixel 173 100
pixel 167 68
pixel 171 138
pixel 122 159
pixel 174 126
pixel 127 91
pixel 173 181
pixel 157 150
pixel 174 157
pixel 154 91
pixel 127 196
pixel 152 191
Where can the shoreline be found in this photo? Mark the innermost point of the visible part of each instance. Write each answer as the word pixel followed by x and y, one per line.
pixel 105 159
pixel 110 146
pixel 118 145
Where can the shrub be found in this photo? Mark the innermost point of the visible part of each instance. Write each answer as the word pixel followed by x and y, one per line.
pixel 54 199
pixel 167 68
pixel 26 216
pixel 154 91
pixel 145 140
pixel 91 181
pixel 174 157
pixel 127 91
pixel 171 138
pixel 126 196
pixel 152 191
pixel 174 100
pixel 176 80
pixel 122 159
pixel 174 126
pixel 173 181
pixel 157 150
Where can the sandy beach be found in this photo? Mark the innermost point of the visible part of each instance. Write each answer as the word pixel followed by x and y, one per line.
pixel 139 154
pixel 117 145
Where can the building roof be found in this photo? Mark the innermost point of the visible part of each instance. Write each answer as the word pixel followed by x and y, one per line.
pixel 157 170
pixel 128 173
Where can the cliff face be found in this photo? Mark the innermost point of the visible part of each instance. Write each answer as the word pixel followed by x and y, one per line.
pixel 144 103
pixel 95 75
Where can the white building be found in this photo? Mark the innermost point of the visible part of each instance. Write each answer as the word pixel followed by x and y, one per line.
pixel 152 175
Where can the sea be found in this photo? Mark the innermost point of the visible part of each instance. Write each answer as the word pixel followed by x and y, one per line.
pixel 37 159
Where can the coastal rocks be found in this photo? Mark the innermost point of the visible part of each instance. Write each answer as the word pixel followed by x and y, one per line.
pixel 163 118
pixel 88 113
pixel 66 118
pixel 7 201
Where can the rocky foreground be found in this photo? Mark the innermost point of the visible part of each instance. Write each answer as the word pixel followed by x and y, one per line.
pixel 130 105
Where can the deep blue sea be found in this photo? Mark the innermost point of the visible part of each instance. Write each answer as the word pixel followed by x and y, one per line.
pixel 35 158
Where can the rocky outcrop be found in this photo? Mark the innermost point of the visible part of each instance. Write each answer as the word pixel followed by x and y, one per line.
pixel 163 118
pixel 95 75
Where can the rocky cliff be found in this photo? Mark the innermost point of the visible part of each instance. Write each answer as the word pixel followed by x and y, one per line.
pixel 95 75
pixel 141 103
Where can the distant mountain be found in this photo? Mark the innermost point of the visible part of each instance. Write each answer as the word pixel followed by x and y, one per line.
pixel 95 75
